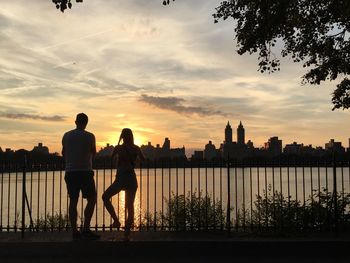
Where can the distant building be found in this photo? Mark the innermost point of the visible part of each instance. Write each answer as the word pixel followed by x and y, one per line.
pixel 250 144
pixel 293 148
pixel 165 152
pixel 198 155
pixel 240 135
pixel 274 146
pixel 41 149
pixel 234 150
pixel 334 147
pixel 105 151
pixel 228 133
pixel 210 151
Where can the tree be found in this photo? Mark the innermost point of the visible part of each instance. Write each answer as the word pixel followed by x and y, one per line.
pixel 313 32
pixel 64 4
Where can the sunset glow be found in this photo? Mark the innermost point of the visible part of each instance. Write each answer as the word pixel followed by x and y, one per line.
pixel 161 71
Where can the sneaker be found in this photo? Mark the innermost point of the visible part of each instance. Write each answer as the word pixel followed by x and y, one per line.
pixel 89 235
pixel 76 235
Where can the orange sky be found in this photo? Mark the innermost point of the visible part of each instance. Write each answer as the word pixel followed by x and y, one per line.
pixel 162 71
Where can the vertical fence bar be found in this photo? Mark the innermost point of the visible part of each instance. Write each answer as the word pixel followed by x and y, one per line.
pixel 111 180
pixel 2 197
pixel 31 191
pixel 45 201
pixel 147 194
pixel 24 179
pixel 304 194
pixel 259 199
pixel 8 197
pixel 199 197
pixel 96 211
pixel 288 187
pixel 251 195
pixel 16 195
pixel 335 195
pixel 53 195
pixel 184 191
pixel 206 195
pixel 177 194
pixel 236 197
pixel 169 195
pixel 214 204
pixel 38 198
pixel 162 219
pixel 221 206
pixel 104 189
pixel 228 223
pixel 266 198
pixel 60 200
pixel 243 195
pixel 296 190
pixel 140 225
pixel 191 191
pixel 273 192
pixel 155 196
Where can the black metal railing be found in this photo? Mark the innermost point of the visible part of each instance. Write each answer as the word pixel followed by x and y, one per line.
pixel 188 196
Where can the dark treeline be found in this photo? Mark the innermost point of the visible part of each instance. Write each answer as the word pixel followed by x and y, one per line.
pixel 17 161
pixel 57 163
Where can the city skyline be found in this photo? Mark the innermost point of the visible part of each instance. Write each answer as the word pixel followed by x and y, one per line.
pixel 228 137
pixel 126 67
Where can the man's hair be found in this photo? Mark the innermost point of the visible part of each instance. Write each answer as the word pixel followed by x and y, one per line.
pixel 82 118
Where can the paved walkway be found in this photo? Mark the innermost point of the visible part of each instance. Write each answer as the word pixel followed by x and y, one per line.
pixel 171 247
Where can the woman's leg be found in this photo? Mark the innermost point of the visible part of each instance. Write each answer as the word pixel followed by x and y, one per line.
pixel 106 197
pixel 129 203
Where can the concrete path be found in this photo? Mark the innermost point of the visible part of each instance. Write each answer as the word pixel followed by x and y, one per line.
pixel 170 247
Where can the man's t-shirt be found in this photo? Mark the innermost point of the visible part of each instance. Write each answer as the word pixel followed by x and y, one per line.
pixel 79 147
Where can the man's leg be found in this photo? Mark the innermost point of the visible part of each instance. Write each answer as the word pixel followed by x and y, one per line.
pixel 88 212
pixel 73 213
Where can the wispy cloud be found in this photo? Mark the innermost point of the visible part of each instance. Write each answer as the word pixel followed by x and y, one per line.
pixel 25 116
pixel 177 105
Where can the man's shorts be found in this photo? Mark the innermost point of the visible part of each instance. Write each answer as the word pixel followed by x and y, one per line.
pixel 80 181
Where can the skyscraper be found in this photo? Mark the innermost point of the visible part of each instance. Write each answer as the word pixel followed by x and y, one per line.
pixel 228 133
pixel 240 134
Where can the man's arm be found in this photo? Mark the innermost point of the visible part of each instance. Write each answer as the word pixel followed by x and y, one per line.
pixel 63 150
pixel 93 147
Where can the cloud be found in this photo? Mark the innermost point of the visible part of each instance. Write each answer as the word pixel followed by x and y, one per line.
pixel 25 116
pixel 177 105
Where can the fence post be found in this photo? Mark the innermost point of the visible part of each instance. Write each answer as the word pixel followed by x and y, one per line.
pixel 228 219
pixel 335 196
pixel 24 196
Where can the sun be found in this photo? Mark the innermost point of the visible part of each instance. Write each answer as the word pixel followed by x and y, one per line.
pixel 113 140
pixel 139 140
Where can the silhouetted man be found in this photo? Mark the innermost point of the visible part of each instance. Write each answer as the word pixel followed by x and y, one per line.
pixel 79 148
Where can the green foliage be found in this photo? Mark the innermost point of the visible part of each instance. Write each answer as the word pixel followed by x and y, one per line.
pixel 56 221
pixel 275 211
pixel 315 32
pixel 64 4
pixel 192 212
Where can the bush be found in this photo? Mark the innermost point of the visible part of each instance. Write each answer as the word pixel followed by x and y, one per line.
pixel 317 214
pixel 193 212
pixel 56 221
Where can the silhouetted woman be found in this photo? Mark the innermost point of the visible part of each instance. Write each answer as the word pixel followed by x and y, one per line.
pixel 125 179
